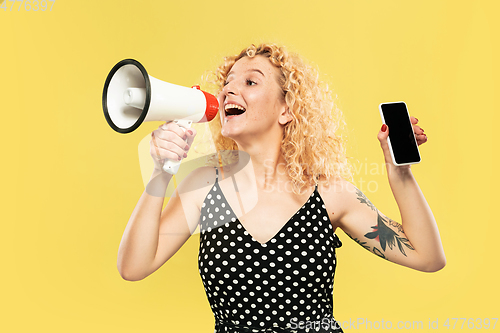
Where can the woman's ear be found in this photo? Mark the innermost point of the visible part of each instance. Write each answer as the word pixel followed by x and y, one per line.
pixel 285 116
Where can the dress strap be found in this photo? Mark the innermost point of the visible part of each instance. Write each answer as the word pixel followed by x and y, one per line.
pixel 336 241
pixel 316 179
pixel 234 184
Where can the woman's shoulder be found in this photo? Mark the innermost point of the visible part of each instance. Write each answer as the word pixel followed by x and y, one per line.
pixel 337 194
pixel 197 179
pixel 198 183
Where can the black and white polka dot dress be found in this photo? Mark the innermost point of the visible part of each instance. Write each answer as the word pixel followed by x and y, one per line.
pixel 284 285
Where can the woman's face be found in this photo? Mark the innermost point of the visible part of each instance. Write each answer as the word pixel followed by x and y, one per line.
pixel 252 100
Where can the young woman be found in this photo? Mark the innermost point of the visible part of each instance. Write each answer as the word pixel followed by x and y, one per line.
pixel 268 220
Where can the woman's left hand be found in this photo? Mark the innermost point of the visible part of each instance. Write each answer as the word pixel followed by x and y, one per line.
pixel 419 131
pixel 384 133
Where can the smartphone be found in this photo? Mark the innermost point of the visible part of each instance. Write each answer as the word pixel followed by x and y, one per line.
pixel 402 142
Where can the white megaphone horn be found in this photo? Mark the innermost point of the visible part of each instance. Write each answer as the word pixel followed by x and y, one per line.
pixel 131 97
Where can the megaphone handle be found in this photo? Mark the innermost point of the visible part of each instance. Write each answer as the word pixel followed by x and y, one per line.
pixel 171 166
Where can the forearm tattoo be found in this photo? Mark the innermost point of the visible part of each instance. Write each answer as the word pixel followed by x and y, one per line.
pixel 363 244
pixel 382 232
pixel 363 199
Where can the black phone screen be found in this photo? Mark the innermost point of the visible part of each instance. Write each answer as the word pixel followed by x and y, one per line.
pixel 404 145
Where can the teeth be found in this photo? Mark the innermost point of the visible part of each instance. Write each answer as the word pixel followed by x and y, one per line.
pixel 234 106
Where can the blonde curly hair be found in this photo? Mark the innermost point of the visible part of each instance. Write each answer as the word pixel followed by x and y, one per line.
pixel 311 147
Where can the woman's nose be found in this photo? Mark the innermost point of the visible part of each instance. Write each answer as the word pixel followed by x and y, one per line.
pixel 230 88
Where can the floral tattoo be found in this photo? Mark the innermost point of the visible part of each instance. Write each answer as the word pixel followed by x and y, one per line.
pixel 382 233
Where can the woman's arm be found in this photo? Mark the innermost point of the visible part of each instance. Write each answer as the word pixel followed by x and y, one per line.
pixel 152 237
pixel 416 242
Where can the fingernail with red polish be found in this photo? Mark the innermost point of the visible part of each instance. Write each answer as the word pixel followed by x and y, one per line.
pixel 190 132
pixel 384 128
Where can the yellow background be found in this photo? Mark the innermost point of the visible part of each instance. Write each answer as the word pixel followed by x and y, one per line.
pixel 69 183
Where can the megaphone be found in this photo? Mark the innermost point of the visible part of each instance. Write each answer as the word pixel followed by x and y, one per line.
pixel 131 96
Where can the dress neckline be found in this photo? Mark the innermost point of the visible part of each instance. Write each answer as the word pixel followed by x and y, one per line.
pixel 282 227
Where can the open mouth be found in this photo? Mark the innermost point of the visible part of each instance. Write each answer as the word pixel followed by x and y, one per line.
pixel 233 110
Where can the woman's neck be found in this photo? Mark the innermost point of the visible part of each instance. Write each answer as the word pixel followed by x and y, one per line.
pixel 264 167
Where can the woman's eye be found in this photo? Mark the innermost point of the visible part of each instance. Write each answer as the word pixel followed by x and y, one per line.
pixel 251 83
pixel 225 83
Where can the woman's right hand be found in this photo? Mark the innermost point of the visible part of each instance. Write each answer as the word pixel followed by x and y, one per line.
pixel 170 141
